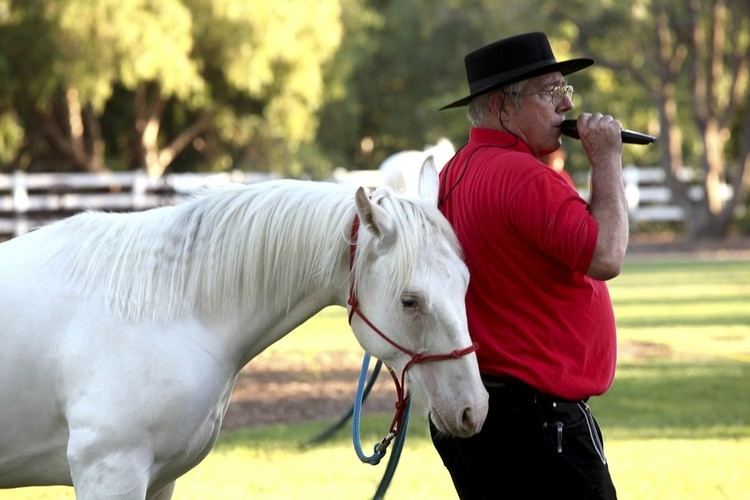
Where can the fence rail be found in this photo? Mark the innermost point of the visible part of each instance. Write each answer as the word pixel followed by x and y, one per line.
pixel 31 200
pixel 649 198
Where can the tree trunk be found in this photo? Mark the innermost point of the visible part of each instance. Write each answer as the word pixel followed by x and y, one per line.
pixel 95 148
pixel 714 108
pixel 78 139
pixel 713 143
pixel 166 155
pixel 671 143
pixel 149 106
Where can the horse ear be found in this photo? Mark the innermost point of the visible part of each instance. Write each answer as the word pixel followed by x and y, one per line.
pixel 429 182
pixel 374 218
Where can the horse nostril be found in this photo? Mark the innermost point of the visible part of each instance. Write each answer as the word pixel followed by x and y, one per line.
pixel 467 420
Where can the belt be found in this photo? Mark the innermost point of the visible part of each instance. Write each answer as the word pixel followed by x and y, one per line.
pixel 505 386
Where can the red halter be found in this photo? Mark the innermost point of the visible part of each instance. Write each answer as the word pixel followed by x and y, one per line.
pixel 415 357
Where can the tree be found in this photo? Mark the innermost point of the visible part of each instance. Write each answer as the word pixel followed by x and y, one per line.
pixel 407 62
pixel 402 61
pixel 692 59
pixel 243 73
pixel 262 62
pixel 73 52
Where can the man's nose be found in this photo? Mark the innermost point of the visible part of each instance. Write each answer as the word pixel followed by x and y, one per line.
pixel 565 105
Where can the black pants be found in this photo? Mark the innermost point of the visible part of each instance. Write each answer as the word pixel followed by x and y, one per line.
pixel 531 446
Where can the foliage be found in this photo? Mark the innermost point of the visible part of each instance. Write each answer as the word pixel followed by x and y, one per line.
pixel 300 87
pixel 691 59
pixel 248 73
pixel 11 136
pixel 406 62
pixel 657 71
pixel 263 61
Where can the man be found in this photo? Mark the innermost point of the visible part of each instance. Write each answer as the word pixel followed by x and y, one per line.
pixel 538 254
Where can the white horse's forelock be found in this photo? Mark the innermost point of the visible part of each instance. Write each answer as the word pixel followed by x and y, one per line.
pixel 258 245
pixel 419 228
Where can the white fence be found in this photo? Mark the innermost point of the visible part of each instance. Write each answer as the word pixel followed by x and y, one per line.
pixel 31 200
pixel 367 178
pixel 649 198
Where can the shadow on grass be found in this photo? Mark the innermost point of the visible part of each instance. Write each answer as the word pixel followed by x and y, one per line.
pixel 676 400
pixel 705 268
pixel 717 320
pixel 740 299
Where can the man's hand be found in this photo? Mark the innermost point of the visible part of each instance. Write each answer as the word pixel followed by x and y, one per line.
pixel 601 138
pixel 602 142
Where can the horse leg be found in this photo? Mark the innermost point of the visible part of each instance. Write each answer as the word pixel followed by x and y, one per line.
pixel 163 494
pixel 102 472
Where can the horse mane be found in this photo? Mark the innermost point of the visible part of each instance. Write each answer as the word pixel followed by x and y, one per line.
pixel 249 246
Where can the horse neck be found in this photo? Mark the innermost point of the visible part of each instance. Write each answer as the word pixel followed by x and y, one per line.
pixel 253 329
pixel 247 335
pixel 285 286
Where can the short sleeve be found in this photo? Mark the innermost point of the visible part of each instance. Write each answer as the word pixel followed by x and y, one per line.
pixel 550 215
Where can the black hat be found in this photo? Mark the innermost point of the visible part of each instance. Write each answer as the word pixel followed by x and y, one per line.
pixel 511 60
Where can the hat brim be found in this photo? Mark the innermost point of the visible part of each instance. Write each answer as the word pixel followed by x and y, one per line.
pixel 564 67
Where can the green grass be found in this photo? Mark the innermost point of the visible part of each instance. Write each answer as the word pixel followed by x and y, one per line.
pixel 676 423
pixel 698 309
pixel 677 400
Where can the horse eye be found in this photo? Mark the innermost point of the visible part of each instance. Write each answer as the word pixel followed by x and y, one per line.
pixel 409 302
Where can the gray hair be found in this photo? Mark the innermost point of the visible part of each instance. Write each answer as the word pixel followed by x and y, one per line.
pixel 479 107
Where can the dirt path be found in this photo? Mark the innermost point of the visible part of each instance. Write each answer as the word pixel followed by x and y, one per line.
pixel 271 391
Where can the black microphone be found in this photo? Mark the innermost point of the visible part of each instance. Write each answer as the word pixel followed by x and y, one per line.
pixel 568 127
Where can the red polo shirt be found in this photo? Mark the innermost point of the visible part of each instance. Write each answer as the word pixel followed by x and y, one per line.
pixel 528 239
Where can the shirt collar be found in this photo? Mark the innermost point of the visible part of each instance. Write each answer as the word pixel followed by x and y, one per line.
pixel 499 138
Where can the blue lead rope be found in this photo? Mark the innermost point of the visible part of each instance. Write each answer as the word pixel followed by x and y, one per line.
pixel 379 451
pixel 398 445
pixel 380 448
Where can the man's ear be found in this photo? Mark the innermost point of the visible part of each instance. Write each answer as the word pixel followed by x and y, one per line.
pixel 429 182
pixel 499 111
pixel 374 218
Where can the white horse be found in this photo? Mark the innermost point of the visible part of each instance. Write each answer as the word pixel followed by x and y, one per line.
pixel 122 335
pixel 401 170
